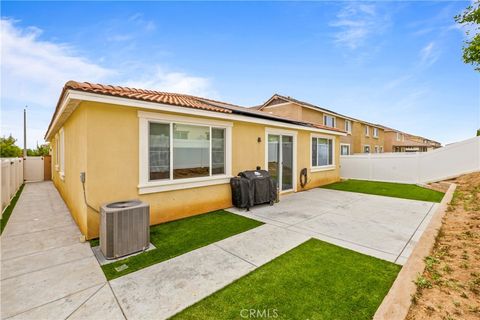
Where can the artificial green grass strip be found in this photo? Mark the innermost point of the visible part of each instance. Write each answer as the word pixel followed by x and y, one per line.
pixel 94 242
pixel 8 210
pixel 389 189
pixel 315 280
pixel 174 238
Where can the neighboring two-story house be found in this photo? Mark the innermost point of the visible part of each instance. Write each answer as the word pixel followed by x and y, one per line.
pixel 398 141
pixel 362 136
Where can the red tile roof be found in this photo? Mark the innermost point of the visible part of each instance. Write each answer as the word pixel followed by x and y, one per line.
pixel 176 99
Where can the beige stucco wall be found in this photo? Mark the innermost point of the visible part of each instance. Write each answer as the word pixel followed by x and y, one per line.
pixel 361 140
pixel 288 110
pixel 70 188
pixel 390 138
pixel 109 156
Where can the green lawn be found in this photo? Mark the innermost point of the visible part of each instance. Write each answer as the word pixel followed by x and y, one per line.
pixel 316 280
pixel 8 210
pixel 177 237
pixel 389 189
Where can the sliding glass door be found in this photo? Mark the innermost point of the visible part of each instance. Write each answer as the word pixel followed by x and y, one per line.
pixel 280 160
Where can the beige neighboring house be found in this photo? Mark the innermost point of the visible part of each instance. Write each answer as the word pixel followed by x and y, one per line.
pixel 398 141
pixel 362 136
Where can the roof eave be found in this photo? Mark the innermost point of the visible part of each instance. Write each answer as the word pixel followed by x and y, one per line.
pixel 69 95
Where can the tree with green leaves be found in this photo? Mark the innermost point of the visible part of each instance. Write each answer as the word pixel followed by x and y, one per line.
pixel 8 148
pixel 40 151
pixel 471 19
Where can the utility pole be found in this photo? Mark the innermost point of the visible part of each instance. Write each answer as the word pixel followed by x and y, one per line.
pixel 25 132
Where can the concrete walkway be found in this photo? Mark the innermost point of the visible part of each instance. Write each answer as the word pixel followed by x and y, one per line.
pixel 162 290
pixel 46 273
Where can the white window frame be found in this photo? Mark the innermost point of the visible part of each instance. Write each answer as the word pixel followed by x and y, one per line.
pixel 376 149
pixel 151 186
pixel 349 148
pixel 325 120
pixel 57 152
pixel 399 136
pixel 280 132
pixel 348 128
pixel 328 166
pixel 61 144
pixel 375 132
pixel 367 131
pixel 369 149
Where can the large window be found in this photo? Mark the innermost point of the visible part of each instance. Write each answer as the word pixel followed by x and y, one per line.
pixel 194 151
pixel 218 150
pixel 178 152
pixel 348 126
pixel 159 151
pixel 367 131
pixel 329 121
pixel 61 153
pixel 322 152
pixel 191 151
pixel 345 149
pixel 375 132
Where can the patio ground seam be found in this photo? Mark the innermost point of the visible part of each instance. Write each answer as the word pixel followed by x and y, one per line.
pixel 41 269
pixel 233 254
pixel 44 304
pixel 96 291
pixel 116 300
pixel 413 234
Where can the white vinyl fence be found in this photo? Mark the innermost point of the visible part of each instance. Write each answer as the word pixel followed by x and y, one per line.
pixel 33 169
pixel 12 178
pixel 422 167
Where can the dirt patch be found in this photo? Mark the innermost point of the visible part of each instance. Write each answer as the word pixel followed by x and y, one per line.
pixel 449 288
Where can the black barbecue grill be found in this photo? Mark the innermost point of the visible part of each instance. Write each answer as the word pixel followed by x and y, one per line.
pixel 253 187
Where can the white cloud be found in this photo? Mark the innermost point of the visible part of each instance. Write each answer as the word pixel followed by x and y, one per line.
pixel 356 23
pixel 429 54
pixel 33 71
pixel 163 80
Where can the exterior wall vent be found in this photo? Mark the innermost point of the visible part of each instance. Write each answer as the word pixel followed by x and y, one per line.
pixel 124 228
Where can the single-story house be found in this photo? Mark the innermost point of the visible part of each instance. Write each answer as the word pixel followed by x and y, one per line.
pixel 175 151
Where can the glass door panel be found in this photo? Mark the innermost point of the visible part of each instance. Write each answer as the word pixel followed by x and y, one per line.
pixel 274 156
pixel 287 163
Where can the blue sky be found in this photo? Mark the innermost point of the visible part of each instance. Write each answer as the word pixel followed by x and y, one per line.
pixel 393 63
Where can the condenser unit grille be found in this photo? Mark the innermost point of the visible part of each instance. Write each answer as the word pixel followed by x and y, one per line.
pixel 124 228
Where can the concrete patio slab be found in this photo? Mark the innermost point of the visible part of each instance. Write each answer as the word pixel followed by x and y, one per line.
pixel 383 227
pixel 46 272
pixel 162 290
pixel 385 237
pixel 263 244
pixel 59 309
